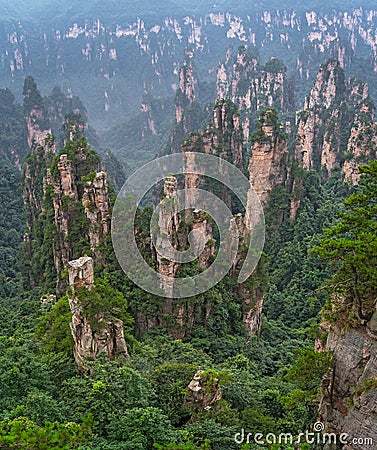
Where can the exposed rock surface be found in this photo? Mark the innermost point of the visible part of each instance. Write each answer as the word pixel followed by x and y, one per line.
pixel 269 157
pixel 96 203
pixel 203 391
pixel 36 179
pixel 252 86
pixel 65 196
pixel 69 200
pixel 348 402
pixel 325 125
pixel 253 290
pixel 186 92
pixel 201 239
pixel 107 336
pixel 223 139
pixel 38 125
pixel 188 112
pixel 167 238
pixel 37 133
pixel 362 144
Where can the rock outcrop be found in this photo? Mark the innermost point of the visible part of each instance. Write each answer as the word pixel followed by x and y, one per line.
pixel 96 203
pixel 223 139
pixel 348 400
pixel 268 165
pixel 253 290
pixel 64 199
pixel 38 125
pixel 96 334
pixel 203 391
pixel 201 238
pixel 167 237
pixel 80 213
pixel 362 143
pixel 68 199
pixel 330 111
pixel 186 93
pixel 188 112
pixel 252 86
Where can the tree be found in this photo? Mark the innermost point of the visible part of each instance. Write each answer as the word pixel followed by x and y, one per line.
pixel 351 246
pixel 23 433
pixel 143 427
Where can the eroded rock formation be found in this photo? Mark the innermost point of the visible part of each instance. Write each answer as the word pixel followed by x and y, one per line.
pixel 269 157
pixel 201 238
pixel 252 86
pixel 224 138
pixel 66 197
pixel 324 125
pixel 362 143
pixel 253 290
pixel 96 203
pixel 91 335
pixel 188 111
pixel 167 237
pixel 186 93
pixel 203 391
pixel 348 400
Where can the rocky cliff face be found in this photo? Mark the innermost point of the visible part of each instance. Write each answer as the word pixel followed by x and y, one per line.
pixel 268 168
pixel 348 401
pixel 253 290
pixel 172 235
pixel 80 213
pixel 268 165
pixel 38 125
pixel 96 203
pixel 43 152
pixel 201 237
pixel 333 107
pixel 224 138
pixel 91 336
pixel 99 42
pixel 186 93
pixel 188 111
pixel 362 143
pixel 168 224
pixel 252 86
pixel 204 392
pixel 66 197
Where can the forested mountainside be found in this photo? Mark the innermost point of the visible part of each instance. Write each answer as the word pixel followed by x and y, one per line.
pixel 89 359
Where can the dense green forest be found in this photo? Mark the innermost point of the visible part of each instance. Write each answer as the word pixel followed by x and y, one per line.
pixel 269 382
pixel 191 374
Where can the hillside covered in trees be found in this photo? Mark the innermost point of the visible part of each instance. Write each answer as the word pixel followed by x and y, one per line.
pixel 91 360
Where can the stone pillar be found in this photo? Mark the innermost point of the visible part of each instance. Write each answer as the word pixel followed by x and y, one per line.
pixel 107 335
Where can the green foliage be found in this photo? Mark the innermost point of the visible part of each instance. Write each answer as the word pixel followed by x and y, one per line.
pixel 142 427
pixel 25 434
pixel 103 302
pixel 268 117
pixel 170 381
pixel 309 368
pixel 275 65
pixel 351 247
pixel 11 219
pixel 111 391
pixel 53 330
pixel 13 133
pixel 39 266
